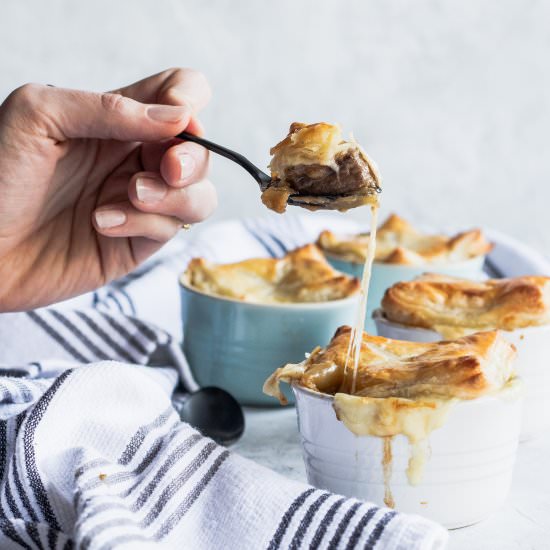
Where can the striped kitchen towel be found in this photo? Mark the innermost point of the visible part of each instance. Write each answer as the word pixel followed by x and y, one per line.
pixel 92 454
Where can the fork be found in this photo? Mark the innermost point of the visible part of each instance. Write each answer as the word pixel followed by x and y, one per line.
pixel 263 179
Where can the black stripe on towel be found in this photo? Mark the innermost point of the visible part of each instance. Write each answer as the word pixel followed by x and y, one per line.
pixel 180 451
pixel 11 501
pixel 53 536
pixel 361 524
pixel 79 334
pixel 137 439
pixel 13 372
pixel 94 463
pixel 274 231
pixel 145 331
pixel 130 338
pixel 170 490
pixel 34 534
pixel 35 482
pixel 25 500
pixel 30 527
pixel 128 299
pixel 57 337
pixel 121 477
pixel 7 528
pixel 122 353
pixel 306 522
pixel 185 506
pixel 267 236
pixel 261 241
pixel 174 457
pixel 324 524
pixel 175 485
pixel 374 537
pixel 286 519
pixel 3 448
pixel 21 491
pixel 115 300
pixel 344 522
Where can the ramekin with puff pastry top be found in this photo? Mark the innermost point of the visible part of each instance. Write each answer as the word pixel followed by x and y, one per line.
pixel 402 253
pixel 433 307
pixel 242 319
pixel 431 428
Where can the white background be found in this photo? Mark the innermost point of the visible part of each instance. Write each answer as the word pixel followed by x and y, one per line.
pixel 450 98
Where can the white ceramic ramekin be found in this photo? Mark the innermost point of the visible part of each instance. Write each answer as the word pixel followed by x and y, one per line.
pixel 532 365
pixel 466 476
pixel 236 345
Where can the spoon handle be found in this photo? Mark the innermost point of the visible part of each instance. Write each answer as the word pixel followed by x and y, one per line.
pixel 261 177
pixel 186 378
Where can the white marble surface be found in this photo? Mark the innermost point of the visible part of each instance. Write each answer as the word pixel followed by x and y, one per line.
pixel 450 98
pixel 271 438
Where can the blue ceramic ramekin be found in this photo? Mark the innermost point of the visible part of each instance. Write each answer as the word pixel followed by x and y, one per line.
pixel 237 345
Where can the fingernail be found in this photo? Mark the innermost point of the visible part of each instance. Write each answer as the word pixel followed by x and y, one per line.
pixel 150 190
pixel 187 165
pixel 106 219
pixel 167 113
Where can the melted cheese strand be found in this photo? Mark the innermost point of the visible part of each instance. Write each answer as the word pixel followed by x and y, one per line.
pixel 387 458
pixel 357 334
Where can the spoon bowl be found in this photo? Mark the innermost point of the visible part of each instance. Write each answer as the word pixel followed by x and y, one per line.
pixel 212 411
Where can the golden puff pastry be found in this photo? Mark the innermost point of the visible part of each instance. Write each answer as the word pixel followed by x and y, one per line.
pixel 465 368
pixel 315 168
pixel 398 242
pixel 303 275
pixel 455 307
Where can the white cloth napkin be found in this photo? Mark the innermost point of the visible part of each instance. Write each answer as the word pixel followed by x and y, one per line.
pixel 92 454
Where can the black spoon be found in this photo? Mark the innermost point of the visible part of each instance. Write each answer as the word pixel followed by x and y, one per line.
pixel 260 176
pixel 211 410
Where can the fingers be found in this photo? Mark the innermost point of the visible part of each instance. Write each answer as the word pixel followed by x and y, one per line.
pixel 60 114
pixel 172 87
pixel 149 193
pixel 123 220
pixel 155 210
pixel 156 108
pixel 184 164
pixel 152 154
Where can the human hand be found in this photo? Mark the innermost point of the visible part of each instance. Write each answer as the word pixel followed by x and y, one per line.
pixel 91 183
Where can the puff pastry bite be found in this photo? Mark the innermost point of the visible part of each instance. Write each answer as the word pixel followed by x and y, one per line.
pixel 303 275
pixel 398 242
pixel 315 168
pixel 465 368
pixel 453 306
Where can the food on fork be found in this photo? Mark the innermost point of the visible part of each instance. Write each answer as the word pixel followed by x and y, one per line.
pixel 314 167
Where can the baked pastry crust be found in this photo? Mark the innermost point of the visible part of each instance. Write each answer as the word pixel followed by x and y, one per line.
pixel 303 275
pixel 453 306
pixel 315 168
pixel 398 242
pixel 465 368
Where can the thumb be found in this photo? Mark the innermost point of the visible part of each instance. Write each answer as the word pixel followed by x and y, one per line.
pixel 62 114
